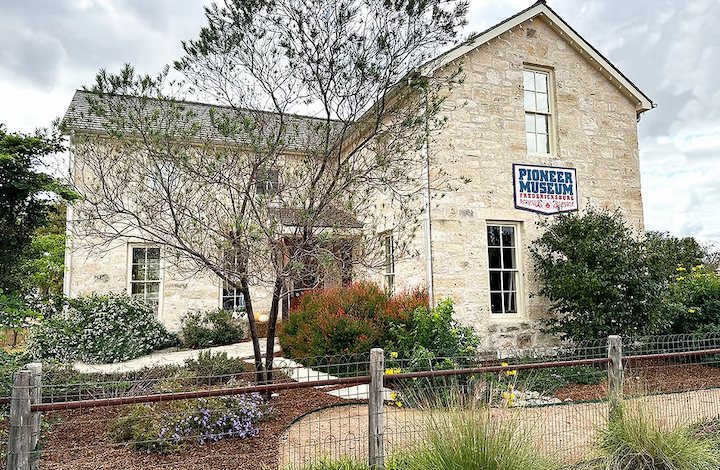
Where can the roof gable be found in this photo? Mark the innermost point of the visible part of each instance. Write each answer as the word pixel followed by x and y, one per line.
pixel 540 9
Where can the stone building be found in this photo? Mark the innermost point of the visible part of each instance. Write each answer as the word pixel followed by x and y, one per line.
pixel 541 124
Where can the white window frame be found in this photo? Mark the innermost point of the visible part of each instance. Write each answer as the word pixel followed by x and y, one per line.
pixel 237 294
pixel 549 114
pixel 161 283
pixel 518 270
pixel 388 262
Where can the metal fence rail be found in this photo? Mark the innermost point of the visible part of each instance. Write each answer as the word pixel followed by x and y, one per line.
pixel 367 408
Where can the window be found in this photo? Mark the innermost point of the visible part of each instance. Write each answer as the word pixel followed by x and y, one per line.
pixel 503 267
pixel 232 298
pixel 267 182
pixel 389 245
pixel 145 274
pixel 538 123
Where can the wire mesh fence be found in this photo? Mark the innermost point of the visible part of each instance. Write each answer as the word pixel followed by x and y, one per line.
pixel 218 412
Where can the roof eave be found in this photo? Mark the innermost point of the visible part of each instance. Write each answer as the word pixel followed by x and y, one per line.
pixel 643 102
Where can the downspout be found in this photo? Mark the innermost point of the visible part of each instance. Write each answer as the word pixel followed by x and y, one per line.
pixel 427 219
pixel 67 275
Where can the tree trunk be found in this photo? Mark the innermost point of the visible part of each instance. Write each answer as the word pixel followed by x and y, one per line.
pixel 259 371
pixel 272 323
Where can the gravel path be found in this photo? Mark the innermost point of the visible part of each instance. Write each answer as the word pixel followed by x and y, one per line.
pixel 566 431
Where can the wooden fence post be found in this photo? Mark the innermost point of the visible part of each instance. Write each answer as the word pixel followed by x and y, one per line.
pixel 376 451
pixel 35 399
pixel 18 455
pixel 615 375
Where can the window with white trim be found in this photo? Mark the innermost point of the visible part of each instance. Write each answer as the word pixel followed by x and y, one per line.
pixel 145 274
pixel 503 268
pixel 267 182
pixel 538 116
pixel 232 298
pixel 389 247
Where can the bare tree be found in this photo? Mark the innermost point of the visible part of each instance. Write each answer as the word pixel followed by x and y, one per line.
pixel 248 190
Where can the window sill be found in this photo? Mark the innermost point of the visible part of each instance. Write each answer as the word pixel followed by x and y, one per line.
pixel 507 318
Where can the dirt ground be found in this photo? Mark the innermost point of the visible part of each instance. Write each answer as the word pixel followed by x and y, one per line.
pixel 78 440
pixel 566 431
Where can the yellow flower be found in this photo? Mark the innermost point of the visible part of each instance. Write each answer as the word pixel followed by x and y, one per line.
pixel 510 372
pixel 393 396
pixel 681 269
pixel 691 310
pixel 399 404
pixel 392 371
pixel 394 354
pixel 679 278
pixel 504 364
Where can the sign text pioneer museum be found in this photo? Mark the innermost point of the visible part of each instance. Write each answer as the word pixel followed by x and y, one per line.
pixel 543 189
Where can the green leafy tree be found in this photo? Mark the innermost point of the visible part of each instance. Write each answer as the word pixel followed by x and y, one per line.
pixel 599 277
pixel 27 197
pixel 667 252
pixel 694 301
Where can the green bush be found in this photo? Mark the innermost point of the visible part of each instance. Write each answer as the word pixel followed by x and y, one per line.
pixel 694 301
pixel 345 320
pixel 634 440
pixel 211 328
pixel 599 276
pixel 208 364
pixel 100 329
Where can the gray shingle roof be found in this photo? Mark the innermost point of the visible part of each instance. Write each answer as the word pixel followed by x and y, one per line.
pixel 301 132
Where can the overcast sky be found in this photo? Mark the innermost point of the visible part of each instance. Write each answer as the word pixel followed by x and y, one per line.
pixel 669 48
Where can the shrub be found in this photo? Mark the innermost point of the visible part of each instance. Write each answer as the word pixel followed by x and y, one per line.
pixel 208 364
pixel 694 301
pixel 100 329
pixel 168 427
pixel 470 437
pixel 599 277
pixel 211 328
pixel 635 440
pixel 345 320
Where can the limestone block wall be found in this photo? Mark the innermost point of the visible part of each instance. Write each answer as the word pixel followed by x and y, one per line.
pixel 595 131
pixel 104 269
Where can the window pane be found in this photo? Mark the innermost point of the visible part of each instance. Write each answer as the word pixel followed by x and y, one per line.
pixel 508 258
pixel 138 272
pixel 153 271
pixel 138 288
pixel 543 146
pixel 494 258
pixel 509 280
pixel 541 82
pixel 153 254
pixel 138 255
pixel 496 303
pixel 152 289
pixel 493 235
pixel 510 302
pixel 542 103
pixel 541 123
pixel 508 236
pixel 530 101
pixel 530 122
pixel 495 280
pixel 528 80
pixel 531 144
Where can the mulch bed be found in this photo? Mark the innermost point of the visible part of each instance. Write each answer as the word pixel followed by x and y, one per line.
pixel 646 378
pixel 79 440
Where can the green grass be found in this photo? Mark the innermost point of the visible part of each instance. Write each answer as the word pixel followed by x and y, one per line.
pixel 635 440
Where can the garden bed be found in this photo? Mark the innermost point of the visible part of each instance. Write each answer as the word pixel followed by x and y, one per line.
pixel 80 440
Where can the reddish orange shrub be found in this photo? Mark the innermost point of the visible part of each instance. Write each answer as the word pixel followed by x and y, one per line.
pixel 345 320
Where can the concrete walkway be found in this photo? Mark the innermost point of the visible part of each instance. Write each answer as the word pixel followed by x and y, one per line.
pixel 300 373
pixel 167 357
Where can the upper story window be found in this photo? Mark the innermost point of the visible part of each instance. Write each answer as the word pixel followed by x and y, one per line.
pixel 503 268
pixel 145 274
pixel 267 181
pixel 232 298
pixel 538 122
